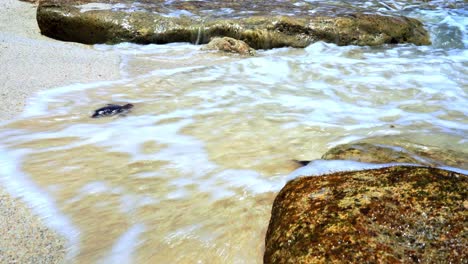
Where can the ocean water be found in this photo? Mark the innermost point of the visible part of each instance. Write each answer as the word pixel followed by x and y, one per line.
pixel 190 174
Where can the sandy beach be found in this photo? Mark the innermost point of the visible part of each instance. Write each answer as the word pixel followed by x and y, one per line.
pixel 30 62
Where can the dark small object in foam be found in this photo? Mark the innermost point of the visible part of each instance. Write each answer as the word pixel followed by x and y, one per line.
pixel 111 109
pixel 302 162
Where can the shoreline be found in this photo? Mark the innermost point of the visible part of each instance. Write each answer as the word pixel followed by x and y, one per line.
pixel 30 63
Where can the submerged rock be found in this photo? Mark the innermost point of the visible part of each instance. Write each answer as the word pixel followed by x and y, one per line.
pixel 229 45
pixel 392 215
pixel 260 25
pixel 409 153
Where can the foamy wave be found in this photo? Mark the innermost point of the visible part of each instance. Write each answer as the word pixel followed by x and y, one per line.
pixel 19 185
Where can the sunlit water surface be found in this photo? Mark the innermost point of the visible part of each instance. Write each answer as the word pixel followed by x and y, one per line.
pixel 190 174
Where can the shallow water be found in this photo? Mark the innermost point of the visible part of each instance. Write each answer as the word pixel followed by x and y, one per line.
pixel 190 174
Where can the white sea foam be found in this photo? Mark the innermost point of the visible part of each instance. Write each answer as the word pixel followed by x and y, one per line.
pixel 38 104
pixel 312 93
pixel 95 187
pixel 457 170
pixel 123 250
pixel 103 6
pixel 178 13
pixel 323 167
pixel 178 50
pixel 94 6
pixel 177 194
pixel 248 180
pixel 92 188
pixel 19 185
pixel 129 203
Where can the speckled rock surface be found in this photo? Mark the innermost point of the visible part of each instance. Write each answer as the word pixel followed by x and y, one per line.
pixel 261 25
pixel 411 153
pixel 391 215
pixel 229 45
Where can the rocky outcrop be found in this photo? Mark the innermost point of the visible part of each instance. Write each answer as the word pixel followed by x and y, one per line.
pixel 392 215
pixel 260 25
pixel 409 153
pixel 229 45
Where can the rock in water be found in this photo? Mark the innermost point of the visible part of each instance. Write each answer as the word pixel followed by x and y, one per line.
pixel 268 24
pixel 111 109
pixel 398 214
pixel 229 45
pixel 410 153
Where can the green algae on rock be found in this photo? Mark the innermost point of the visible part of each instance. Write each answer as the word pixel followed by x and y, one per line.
pixel 398 214
pixel 402 153
pixel 107 22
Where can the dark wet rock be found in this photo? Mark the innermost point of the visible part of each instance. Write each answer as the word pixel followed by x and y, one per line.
pixel 112 109
pixel 403 153
pixel 301 163
pixel 397 214
pixel 260 25
pixel 230 45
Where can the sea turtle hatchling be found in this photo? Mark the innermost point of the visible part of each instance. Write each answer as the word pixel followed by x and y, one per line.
pixel 111 109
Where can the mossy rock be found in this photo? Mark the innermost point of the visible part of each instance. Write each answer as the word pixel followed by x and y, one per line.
pixel 398 214
pixel 401 153
pixel 91 22
pixel 229 45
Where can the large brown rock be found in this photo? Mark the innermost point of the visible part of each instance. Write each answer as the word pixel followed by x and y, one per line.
pixel 260 25
pixel 392 215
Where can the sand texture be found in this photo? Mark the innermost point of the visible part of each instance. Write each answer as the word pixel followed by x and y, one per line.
pixel 30 62
pixel 25 238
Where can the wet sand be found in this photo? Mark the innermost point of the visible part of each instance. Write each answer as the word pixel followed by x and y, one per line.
pixel 29 63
